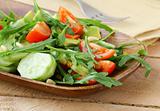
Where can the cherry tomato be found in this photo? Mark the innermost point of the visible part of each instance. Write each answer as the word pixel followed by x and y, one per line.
pixel 40 32
pixel 92 82
pixel 97 48
pixel 66 16
pixel 100 52
pixel 77 28
pixel 105 66
pixel 1 27
pixel 108 53
pixel 82 46
pixel 72 36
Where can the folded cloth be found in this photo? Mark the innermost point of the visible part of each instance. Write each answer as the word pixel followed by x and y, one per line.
pixel 144 21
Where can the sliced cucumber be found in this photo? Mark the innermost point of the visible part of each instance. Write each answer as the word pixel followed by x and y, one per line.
pixel 93 31
pixel 11 59
pixel 37 66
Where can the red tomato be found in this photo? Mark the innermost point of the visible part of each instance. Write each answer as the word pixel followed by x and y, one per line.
pixel 96 48
pixel 92 82
pixel 66 16
pixel 82 46
pixel 105 66
pixel 100 52
pixel 77 28
pixel 72 36
pixel 108 53
pixel 1 27
pixel 40 32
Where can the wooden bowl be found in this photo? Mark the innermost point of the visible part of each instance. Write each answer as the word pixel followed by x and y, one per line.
pixel 69 91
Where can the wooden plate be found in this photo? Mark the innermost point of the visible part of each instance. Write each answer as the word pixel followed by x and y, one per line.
pixel 68 91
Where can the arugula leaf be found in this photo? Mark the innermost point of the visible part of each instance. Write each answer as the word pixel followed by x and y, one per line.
pixel 94 22
pixel 36 7
pixel 5 33
pixel 68 79
pixel 101 78
pixel 30 48
pixel 61 37
pixel 143 52
pixel 8 68
pixel 126 58
pixel 89 50
pixel 81 55
pixel 5 17
pixel 62 72
pixel 107 36
pixel 70 31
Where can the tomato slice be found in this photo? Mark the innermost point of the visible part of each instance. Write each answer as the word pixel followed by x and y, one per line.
pixel 66 16
pixel 108 53
pixel 40 32
pixel 72 36
pixel 77 28
pixel 100 52
pixel 97 48
pixel 1 27
pixel 105 66
pixel 92 82
pixel 82 46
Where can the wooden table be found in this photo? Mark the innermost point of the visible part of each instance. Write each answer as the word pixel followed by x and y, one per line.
pixel 137 94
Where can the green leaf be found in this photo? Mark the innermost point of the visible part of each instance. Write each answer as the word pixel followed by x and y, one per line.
pixel 126 58
pixel 101 78
pixel 89 50
pixel 5 33
pixel 107 81
pixel 61 37
pixel 6 17
pixel 8 68
pixel 46 16
pixel 30 48
pixel 143 52
pixel 68 79
pixel 62 72
pixel 36 7
pixel 94 22
pixel 70 31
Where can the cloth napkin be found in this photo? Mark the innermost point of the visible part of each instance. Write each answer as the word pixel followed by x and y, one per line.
pixel 144 21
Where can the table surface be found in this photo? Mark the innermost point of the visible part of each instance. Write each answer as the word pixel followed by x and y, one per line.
pixel 138 93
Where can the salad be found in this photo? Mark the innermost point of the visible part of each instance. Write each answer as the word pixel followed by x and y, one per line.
pixel 61 49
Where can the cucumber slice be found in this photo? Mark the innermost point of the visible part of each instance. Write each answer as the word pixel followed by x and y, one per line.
pixel 11 59
pixel 37 66
pixel 93 31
